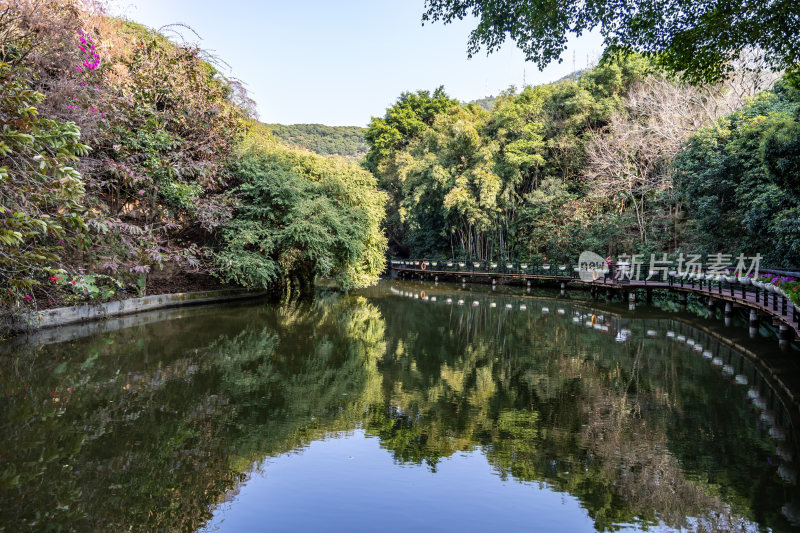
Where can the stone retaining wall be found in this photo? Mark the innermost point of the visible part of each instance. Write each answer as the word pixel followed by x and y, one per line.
pixel 63 316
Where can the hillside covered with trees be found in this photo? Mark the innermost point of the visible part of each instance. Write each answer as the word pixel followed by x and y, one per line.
pixel 347 141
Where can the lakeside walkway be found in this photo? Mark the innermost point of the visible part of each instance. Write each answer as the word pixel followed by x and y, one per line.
pixel 765 303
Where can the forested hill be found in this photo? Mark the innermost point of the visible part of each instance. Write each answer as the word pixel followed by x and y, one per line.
pixel 486 103
pixel 347 141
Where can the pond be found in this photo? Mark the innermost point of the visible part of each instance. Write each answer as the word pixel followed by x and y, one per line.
pixel 407 406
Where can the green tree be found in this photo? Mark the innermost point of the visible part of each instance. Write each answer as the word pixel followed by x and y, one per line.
pixel 698 40
pixel 300 216
pixel 450 192
pixel 404 121
pixel 738 179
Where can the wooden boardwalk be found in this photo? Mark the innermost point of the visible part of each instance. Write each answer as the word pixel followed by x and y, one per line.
pixel 780 310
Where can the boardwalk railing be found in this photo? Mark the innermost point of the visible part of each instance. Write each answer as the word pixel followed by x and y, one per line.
pixel 745 290
pixel 521 268
pixel 639 272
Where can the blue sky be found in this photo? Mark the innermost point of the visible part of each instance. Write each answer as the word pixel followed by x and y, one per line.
pixel 342 62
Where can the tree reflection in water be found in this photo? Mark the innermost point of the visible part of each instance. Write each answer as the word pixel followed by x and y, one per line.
pixel 150 427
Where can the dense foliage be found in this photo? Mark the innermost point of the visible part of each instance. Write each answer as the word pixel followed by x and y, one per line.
pixel 470 182
pixel 698 40
pixel 579 164
pixel 40 190
pixel 163 155
pixel 740 180
pixel 402 123
pixel 302 215
pixel 347 141
pixel 124 159
pixel 161 123
pixel 155 181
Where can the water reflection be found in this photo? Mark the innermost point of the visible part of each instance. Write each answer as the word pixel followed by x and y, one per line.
pixel 151 427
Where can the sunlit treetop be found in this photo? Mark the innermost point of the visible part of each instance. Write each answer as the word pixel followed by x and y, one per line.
pixel 696 39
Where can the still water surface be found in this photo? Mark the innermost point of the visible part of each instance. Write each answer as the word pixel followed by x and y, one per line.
pixel 403 407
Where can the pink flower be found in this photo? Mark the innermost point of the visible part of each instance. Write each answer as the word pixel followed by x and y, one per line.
pixel 141 192
pixel 79 69
pixel 28 297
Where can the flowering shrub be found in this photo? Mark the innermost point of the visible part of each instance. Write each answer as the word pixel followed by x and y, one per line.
pixel 789 285
pixel 92 60
pixel 89 58
pixel 793 292
pixel 162 160
pixel 162 125
pixel 41 192
pixel 87 286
